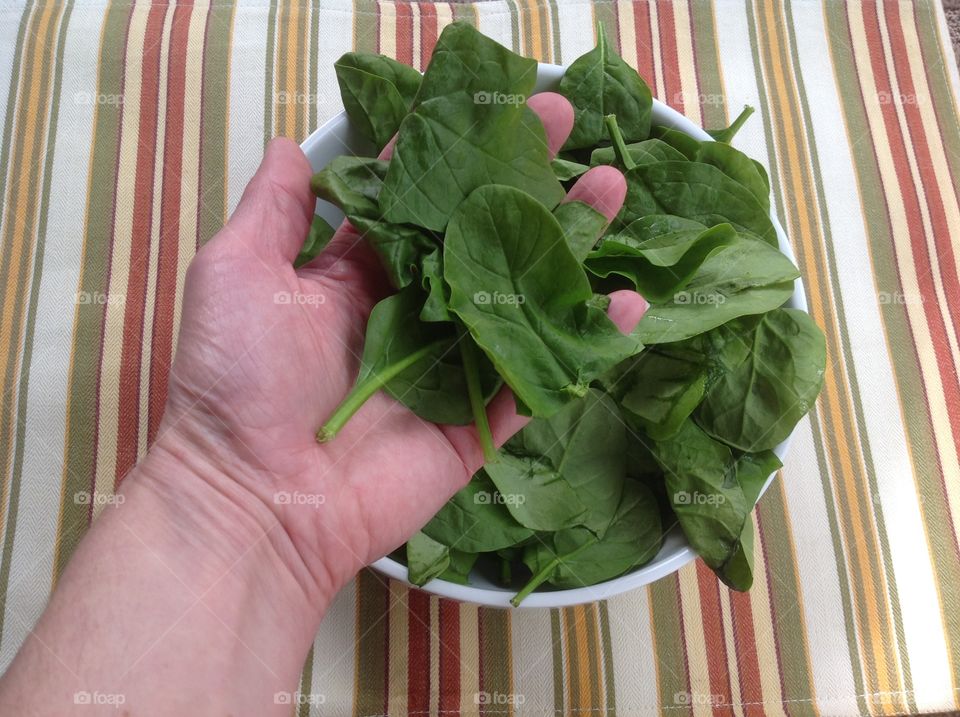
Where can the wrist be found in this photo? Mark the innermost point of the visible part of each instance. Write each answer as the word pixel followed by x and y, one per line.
pixel 219 530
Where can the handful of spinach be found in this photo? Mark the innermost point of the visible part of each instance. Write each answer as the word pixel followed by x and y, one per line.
pixel 498 283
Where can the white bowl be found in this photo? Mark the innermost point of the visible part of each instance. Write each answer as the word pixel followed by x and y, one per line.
pixel 336 137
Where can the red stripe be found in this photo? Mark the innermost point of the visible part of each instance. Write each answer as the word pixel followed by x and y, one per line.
pixel 748 664
pixel 449 658
pixel 161 346
pixel 710 612
pixel 135 299
pixel 481 612
pixel 404 33
pixel 669 60
pixel 428 32
pixel 418 652
pixel 908 192
pixel 921 148
pixel 644 40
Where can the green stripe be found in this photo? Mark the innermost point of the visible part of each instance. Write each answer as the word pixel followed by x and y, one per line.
pixel 554 11
pixel 707 63
pixel 496 663
pixel 82 396
pixel 573 650
pixel 609 672
pixel 314 55
pixel 592 630
pixel 306 685
pixel 366 26
pixel 372 641
pixel 302 94
pixel 279 62
pixel 11 106
pixel 515 26
pixel 42 166
pixel 218 42
pixel 268 88
pixel 668 639
pixel 787 619
pixel 556 638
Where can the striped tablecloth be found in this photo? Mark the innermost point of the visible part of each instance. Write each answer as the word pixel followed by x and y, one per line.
pixel 129 131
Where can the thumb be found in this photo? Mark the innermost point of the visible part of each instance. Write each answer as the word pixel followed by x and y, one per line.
pixel 274 213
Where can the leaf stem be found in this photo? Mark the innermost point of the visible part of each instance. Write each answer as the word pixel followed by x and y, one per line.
pixel 619 147
pixel 726 135
pixel 544 573
pixel 363 390
pixel 468 353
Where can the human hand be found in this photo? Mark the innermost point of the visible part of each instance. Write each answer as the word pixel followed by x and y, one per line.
pixel 266 352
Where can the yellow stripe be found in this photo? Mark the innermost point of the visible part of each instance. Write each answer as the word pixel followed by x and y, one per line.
pixel 693 635
pixel 730 644
pixel 764 634
pixel 469 658
pixel 688 78
pixel 388 29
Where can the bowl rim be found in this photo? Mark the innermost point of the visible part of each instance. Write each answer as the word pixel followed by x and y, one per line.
pixel 670 558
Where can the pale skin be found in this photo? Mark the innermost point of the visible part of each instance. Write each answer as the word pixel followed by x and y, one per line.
pixel 202 591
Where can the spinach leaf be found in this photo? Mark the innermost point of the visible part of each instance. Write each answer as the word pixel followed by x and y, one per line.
pixel 461 563
pixel 752 471
pixel 319 236
pixel 352 184
pixel 426 558
pixel 400 247
pixel 645 152
pixel 377 92
pixel 435 306
pixel 466 61
pixel 739 167
pixel 756 405
pixel 693 190
pixel 600 83
pixel 565 170
pixel 451 145
pixel 475 520
pixel 703 492
pixel 581 225
pixel 661 266
pixel 747 277
pixel 526 300
pixel 577 557
pixel 680 141
pixel 415 362
pixel 664 391
pixel 577 456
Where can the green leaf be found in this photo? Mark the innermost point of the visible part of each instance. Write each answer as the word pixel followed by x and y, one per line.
pixel 755 406
pixel 461 563
pixel 475 520
pixel 582 225
pixel 352 184
pixel 600 83
pixel 693 190
pixel 747 277
pixel 739 167
pixel 450 146
pixel 426 558
pixel 320 235
pixel 565 170
pixel 377 92
pixel 646 152
pixel 660 266
pixel 703 492
pixel 664 391
pixel 576 557
pixel 526 300
pixel 401 248
pixel 567 469
pixel 465 61
pixel 435 306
